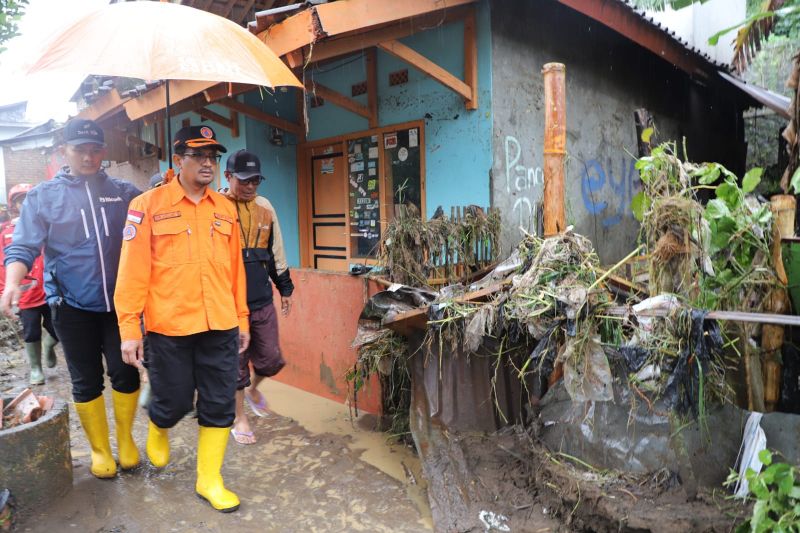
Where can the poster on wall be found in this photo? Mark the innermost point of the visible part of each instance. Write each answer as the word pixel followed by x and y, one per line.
pixel 403 168
pixel 364 197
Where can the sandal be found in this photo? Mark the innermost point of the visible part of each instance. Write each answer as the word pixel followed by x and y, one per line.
pixel 260 409
pixel 242 437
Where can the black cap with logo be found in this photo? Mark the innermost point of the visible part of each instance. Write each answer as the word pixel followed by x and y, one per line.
pixel 244 165
pixel 197 137
pixel 82 131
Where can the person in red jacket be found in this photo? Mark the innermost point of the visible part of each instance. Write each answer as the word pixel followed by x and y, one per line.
pixel 33 309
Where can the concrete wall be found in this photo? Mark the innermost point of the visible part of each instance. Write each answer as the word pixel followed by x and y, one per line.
pixel 457 142
pixel 317 335
pixel 608 77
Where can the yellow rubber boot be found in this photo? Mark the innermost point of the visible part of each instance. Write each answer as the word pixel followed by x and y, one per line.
pixel 211 444
pixel 158 445
pixel 124 412
pixel 95 424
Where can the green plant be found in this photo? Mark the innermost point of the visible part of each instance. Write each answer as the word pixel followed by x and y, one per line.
pixel 777 496
pixel 11 12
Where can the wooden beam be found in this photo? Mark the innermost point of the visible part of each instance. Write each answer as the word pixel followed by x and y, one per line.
pixel 300 110
pixel 183 106
pixel 105 106
pixel 417 60
pixel 224 90
pixel 210 115
pixel 154 100
pixel 338 99
pixel 227 9
pixel 341 17
pixel 295 59
pixel 261 116
pixel 246 11
pixel 471 59
pixel 357 42
pixel 234 124
pixel 371 58
pixel 336 18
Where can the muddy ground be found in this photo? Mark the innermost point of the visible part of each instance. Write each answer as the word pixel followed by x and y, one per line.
pixel 311 470
pixel 316 469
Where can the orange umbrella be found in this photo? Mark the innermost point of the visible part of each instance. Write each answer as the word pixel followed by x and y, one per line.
pixel 161 40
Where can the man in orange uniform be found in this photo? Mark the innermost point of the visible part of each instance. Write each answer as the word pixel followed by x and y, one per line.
pixel 182 267
pixel 34 313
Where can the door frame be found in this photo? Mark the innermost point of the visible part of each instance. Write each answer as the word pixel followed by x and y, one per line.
pixel 339 142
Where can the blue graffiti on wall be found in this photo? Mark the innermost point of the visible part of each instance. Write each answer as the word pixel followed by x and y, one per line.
pixel 596 181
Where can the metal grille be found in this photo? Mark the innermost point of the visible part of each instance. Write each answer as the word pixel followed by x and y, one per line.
pixel 398 77
pixel 358 89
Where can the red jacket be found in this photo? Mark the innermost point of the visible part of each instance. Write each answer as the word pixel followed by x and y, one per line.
pixel 34 296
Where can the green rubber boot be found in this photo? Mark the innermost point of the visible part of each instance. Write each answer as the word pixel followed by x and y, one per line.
pixel 34 351
pixel 49 349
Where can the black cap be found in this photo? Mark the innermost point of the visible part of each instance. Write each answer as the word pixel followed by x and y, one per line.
pixel 244 165
pixel 197 137
pixel 82 131
pixel 156 179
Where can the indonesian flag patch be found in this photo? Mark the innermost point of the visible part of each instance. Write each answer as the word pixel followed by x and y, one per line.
pixel 135 216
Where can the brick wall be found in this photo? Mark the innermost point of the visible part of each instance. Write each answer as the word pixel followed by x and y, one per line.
pixel 27 166
pixel 40 164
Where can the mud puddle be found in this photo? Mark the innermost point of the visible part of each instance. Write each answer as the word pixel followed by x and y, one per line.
pixel 319 415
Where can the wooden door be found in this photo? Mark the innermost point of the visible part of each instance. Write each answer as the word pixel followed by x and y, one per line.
pixel 328 231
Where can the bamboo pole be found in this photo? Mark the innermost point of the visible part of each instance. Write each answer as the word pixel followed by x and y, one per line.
pixel 772 337
pixel 555 143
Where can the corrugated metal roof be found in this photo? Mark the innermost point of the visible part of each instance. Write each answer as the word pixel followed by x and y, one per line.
pixel 777 102
pixel 647 19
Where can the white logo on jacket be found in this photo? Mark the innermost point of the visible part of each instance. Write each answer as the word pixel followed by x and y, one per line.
pixel 104 199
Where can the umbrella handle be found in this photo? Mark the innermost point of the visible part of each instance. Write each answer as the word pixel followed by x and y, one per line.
pixel 169 128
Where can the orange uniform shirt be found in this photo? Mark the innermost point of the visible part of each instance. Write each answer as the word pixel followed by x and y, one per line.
pixel 181 265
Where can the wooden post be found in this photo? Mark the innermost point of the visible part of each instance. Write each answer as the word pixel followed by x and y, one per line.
pixel 555 143
pixel 772 337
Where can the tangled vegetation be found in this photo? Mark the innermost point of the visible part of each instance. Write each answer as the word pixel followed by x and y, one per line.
pixel 441 250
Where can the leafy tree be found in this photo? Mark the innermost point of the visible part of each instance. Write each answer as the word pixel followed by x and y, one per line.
pixel 10 13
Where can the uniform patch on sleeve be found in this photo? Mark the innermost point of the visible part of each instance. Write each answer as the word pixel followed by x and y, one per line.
pixel 165 216
pixel 135 216
pixel 223 217
pixel 129 232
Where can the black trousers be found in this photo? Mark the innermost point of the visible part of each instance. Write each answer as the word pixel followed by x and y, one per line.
pixel 176 366
pixel 86 337
pixel 33 319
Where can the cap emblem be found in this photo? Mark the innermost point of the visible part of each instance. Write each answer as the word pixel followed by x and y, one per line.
pixel 206 132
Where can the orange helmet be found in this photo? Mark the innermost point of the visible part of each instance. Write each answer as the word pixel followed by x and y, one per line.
pixel 20 189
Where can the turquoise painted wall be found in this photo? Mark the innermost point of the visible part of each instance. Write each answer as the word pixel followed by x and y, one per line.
pixel 458 143
pixel 278 163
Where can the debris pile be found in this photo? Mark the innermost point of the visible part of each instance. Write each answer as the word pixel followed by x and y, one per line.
pixel 441 250
pixel 553 295
pixel 25 408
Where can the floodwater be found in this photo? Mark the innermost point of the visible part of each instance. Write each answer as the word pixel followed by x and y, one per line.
pixel 313 469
